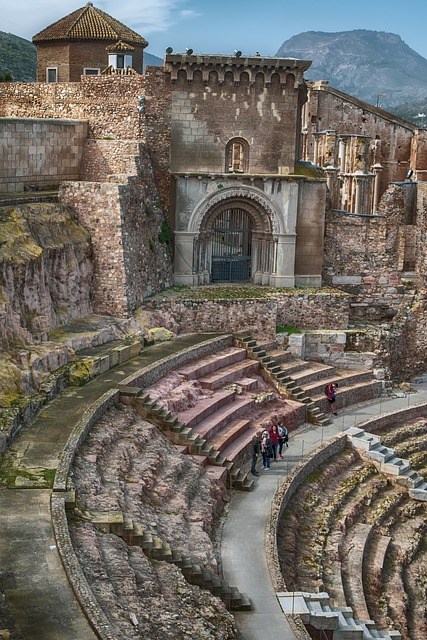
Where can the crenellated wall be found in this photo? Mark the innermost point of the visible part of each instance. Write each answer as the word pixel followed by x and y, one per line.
pixel 215 99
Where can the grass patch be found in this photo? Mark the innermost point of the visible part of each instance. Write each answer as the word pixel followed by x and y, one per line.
pixel 287 328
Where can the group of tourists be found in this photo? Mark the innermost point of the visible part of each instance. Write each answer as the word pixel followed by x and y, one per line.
pixel 269 444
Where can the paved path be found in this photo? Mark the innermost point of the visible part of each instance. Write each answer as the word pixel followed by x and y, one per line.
pixel 243 534
pixel 36 587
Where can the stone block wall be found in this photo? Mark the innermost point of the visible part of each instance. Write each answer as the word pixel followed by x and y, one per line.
pixel 36 153
pixel 206 316
pixel 215 99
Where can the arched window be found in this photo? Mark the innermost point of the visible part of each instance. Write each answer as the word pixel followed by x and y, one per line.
pixel 237 156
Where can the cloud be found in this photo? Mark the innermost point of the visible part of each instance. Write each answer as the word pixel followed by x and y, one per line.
pixel 189 13
pixel 143 16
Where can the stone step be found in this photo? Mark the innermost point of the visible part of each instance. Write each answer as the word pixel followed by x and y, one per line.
pixel 229 433
pixel 210 426
pixel 205 407
pixel 229 374
pixel 280 355
pixel 351 395
pixel 344 379
pixel 236 449
pixel 315 371
pixel 395 466
pixel 249 384
pixel 294 366
pixel 209 364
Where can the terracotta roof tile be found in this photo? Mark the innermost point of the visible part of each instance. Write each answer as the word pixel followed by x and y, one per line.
pixel 120 46
pixel 89 23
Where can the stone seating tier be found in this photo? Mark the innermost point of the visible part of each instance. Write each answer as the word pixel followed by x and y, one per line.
pixel 212 363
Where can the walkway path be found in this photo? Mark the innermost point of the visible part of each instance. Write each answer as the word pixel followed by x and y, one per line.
pixel 36 587
pixel 243 533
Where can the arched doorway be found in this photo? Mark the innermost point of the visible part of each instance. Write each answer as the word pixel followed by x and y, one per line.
pixel 231 247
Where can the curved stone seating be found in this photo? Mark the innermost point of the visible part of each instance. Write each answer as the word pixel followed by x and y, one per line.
pixel 356 548
pixel 390 463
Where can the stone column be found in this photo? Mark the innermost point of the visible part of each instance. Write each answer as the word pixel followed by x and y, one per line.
pixel 333 185
pixel 315 150
pixel 341 153
pixel 359 185
pixel 183 268
pixel 284 268
pixel 377 168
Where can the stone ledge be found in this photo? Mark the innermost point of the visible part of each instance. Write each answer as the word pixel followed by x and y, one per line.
pixel 80 586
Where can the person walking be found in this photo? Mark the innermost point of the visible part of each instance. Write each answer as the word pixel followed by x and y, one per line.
pixel 266 450
pixel 331 395
pixel 283 438
pixel 274 439
pixel 256 447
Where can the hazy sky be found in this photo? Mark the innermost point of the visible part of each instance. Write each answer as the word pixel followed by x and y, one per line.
pixel 221 26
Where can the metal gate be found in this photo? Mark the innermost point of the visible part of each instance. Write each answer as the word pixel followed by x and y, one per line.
pixel 231 246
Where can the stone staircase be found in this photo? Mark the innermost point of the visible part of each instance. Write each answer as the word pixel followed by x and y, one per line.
pixel 134 534
pixel 304 381
pixel 316 610
pixel 192 441
pixel 389 462
pixel 218 425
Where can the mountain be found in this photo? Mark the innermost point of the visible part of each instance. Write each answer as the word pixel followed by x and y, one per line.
pixel 18 56
pixel 374 66
pixel 152 61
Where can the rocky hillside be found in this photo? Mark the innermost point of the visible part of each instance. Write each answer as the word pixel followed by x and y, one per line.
pixel 18 56
pixel 373 66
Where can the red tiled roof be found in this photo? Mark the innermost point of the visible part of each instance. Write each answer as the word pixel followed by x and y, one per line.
pixel 89 23
pixel 120 46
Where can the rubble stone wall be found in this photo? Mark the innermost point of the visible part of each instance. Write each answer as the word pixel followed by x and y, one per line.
pixel 111 107
pixel 365 256
pixel 260 317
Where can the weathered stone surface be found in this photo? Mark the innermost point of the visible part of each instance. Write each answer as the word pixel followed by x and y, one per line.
pixel 127 466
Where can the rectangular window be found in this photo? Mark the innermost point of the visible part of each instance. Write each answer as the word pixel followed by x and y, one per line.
pixel 120 62
pixel 91 72
pixel 52 74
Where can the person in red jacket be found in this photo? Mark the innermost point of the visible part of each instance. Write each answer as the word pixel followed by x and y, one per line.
pixel 274 438
pixel 330 395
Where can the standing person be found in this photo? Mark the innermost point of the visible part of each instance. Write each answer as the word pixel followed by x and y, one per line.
pixel 256 446
pixel 274 439
pixel 283 438
pixel 330 395
pixel 265 450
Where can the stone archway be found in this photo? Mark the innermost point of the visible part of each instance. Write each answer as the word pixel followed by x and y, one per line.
pixel 235 234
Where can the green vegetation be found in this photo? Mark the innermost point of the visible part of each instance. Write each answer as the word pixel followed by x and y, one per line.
pixel 166 234
pixel 18 57
pixel 287 328
pixel 240 292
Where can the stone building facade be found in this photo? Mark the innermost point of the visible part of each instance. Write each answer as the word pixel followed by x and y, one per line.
pixel 206 155
pixel 362 148
pixel 237 198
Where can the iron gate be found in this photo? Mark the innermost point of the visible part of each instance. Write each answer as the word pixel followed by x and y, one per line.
pixel 231 246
